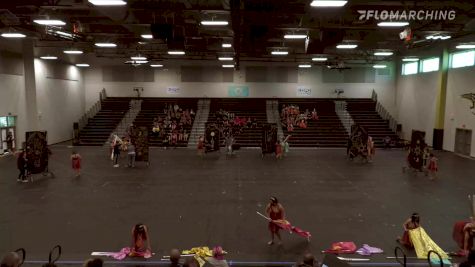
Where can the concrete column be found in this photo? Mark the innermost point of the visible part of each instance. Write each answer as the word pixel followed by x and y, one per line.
pixel 438 137
pixel 30 85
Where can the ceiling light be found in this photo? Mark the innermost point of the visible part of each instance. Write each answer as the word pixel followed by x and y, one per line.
pixel 228 66
pixel 383 53
pixel 138 58
pixel 156 65
pixel 445 37
pixel 319 59
pixel 49 57
pixel 141 61
pixel 65 34
pixel 305 66
pixel 280 53
pixel 72 52
pixel 13 35
pixel 295 36
pixel 214 22
pixel 107 2
pixel 226 45
pixel 147 36
pixel 225 58
pixel 435 37
pixel 105 44
pixel 82 65
pixel 379 66
pixel 53 22
pixel 176 52
pixel 393 23
pixel 465 46
pixel 328 3
pixel 410 59
pixel 346 46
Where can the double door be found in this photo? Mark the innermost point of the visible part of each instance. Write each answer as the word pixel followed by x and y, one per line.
pixel 463 141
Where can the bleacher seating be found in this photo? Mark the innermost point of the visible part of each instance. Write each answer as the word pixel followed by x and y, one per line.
pixel 363 111
pixel 243 108
pixel 154 107
pixel 100 127
pixel 327 131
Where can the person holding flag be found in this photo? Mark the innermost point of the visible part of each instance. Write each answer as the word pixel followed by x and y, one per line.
pixel 275 211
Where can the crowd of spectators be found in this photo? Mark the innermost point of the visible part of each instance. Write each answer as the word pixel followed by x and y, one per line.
pixel 171 127
pixel 292 117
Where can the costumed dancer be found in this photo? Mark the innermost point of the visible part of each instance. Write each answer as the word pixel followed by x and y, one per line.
pixel 201 146
pixel 370 148
pixel 432 167
pixel 463 234
pixel 278 150
pixel 412 223
pixel 141 243
pixel 275 211
pixel 76 163
pixel 285 145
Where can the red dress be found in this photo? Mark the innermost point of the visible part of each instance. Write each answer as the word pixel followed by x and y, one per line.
pixel 458 235
pixel 274 228
pixel 432 165
pixel 76 162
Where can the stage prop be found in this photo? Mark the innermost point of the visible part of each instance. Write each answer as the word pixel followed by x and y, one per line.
pixel 358 142
pixel 140 140
pixel 37 152
pixel 212 138
pixel 269 138
pixel 416 150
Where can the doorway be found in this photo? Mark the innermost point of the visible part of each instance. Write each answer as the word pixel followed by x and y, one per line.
pixel 7 125
pixel 463 141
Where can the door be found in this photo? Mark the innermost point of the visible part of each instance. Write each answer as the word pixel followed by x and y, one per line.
pixel 463 141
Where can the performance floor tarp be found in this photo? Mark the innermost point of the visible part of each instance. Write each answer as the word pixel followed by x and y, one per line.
pixel 187 201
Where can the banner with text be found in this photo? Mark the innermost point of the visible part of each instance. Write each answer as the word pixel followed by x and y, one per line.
pixel 238 91
pixel 304 92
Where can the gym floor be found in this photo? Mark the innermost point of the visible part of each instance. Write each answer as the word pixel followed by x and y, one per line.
pixel 187 201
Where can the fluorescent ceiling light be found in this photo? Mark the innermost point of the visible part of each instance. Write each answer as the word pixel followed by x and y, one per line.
pixel 225 58
pixel 295 36
pixel 379 66
pixel 228 66
pixel 13 35
pixel 383 53
pixel 328 3
pixel 410 59
pixel 346 46
pixel 49 57
pixel 72 52
pixel 156 65
pixel 54 22
pixel 105 44
pixel 82 65
pixel 141 61
pixel 280 53
pixel 214 22
pixel 435 37
pixel 107 2
pixel 465 46
pixel 305 66
pixel 393 23
pixel 147 36
pixel 65 34
pixel 138 58
pixel 319 59
pixel 226 45
pixel 445 37
pixel 176 52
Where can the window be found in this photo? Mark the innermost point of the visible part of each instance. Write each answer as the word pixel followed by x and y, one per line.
pixel 431 64
pixel 409 68
pixel 463 59
pixel 11 121
pixel 3 121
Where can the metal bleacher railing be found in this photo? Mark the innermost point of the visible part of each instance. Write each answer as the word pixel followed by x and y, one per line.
pixel 93 110
pixel 384 113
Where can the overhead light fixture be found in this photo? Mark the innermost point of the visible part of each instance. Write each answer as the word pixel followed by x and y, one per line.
pixel 82 65
pixel 214 23
pixel 49 57
pixel 228 66
pixel 225 58
pixel 346 46
pixel 295 36
pixel 141 61
pixel 147 36
pixel 107 2
pixel 465 46
pixel 379 66
pixel 305 66
pixel 105 44
pixel 226 45
pixel 280 53
pixel 328 3
pixel 410 59
pixel 156 65
pixel 383 53
pixel 65 34
pixel 436 37
pixel 138 58
pixel 176 52
pixel 52 22
pixel 13 35
pixel 74 52
pixel 393 23
pixel 319 59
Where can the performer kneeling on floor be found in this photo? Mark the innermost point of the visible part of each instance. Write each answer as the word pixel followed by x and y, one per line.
pixel 463 234
pixel 141 243
pixel 409 224
pixel 275 211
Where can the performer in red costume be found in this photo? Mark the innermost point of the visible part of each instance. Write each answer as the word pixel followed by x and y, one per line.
pixel 276 212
